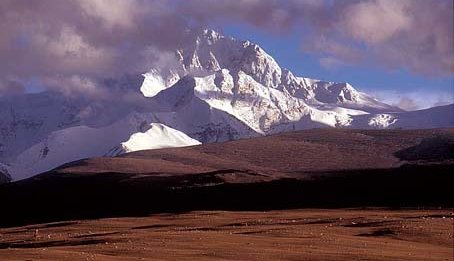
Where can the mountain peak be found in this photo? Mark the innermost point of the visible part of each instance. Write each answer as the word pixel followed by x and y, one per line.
pixel 211 52
pixel 211 35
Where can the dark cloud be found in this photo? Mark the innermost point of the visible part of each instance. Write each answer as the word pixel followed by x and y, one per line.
pixel 72 45
pixel 76 42
pixel 414 34
pixel 83 36
pixel 8 88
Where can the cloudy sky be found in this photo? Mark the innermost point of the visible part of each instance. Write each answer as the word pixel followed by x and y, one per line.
pixel 399 50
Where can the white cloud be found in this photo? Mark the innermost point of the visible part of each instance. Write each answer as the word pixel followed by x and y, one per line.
pixel 330 63
pixel 414 99
pixel 377 21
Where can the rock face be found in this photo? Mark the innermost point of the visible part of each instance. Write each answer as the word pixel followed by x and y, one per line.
pixel 217 89
pixel 4 175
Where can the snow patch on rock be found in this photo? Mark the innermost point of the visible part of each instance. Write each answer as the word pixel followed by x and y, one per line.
pixel 382 121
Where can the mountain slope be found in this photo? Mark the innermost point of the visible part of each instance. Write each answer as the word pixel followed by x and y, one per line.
pixel 436 117
pixel 4 174
pixel 211 52
pixel 81 142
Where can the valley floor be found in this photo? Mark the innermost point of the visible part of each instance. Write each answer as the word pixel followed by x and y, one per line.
pixel 307 234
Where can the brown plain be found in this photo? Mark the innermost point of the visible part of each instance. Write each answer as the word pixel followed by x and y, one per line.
pixel 219 235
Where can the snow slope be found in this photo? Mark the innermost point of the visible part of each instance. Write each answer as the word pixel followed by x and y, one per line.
pixel 218 89
pixel 70 144
pixel 80 142
pixel 436 117
pixel 157 137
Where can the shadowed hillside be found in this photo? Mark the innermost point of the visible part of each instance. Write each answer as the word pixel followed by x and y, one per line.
pixel 314 168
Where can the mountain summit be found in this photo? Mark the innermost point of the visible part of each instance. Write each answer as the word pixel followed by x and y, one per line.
pixel 217 89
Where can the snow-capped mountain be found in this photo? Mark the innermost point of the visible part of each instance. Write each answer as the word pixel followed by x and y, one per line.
pixel 218 89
